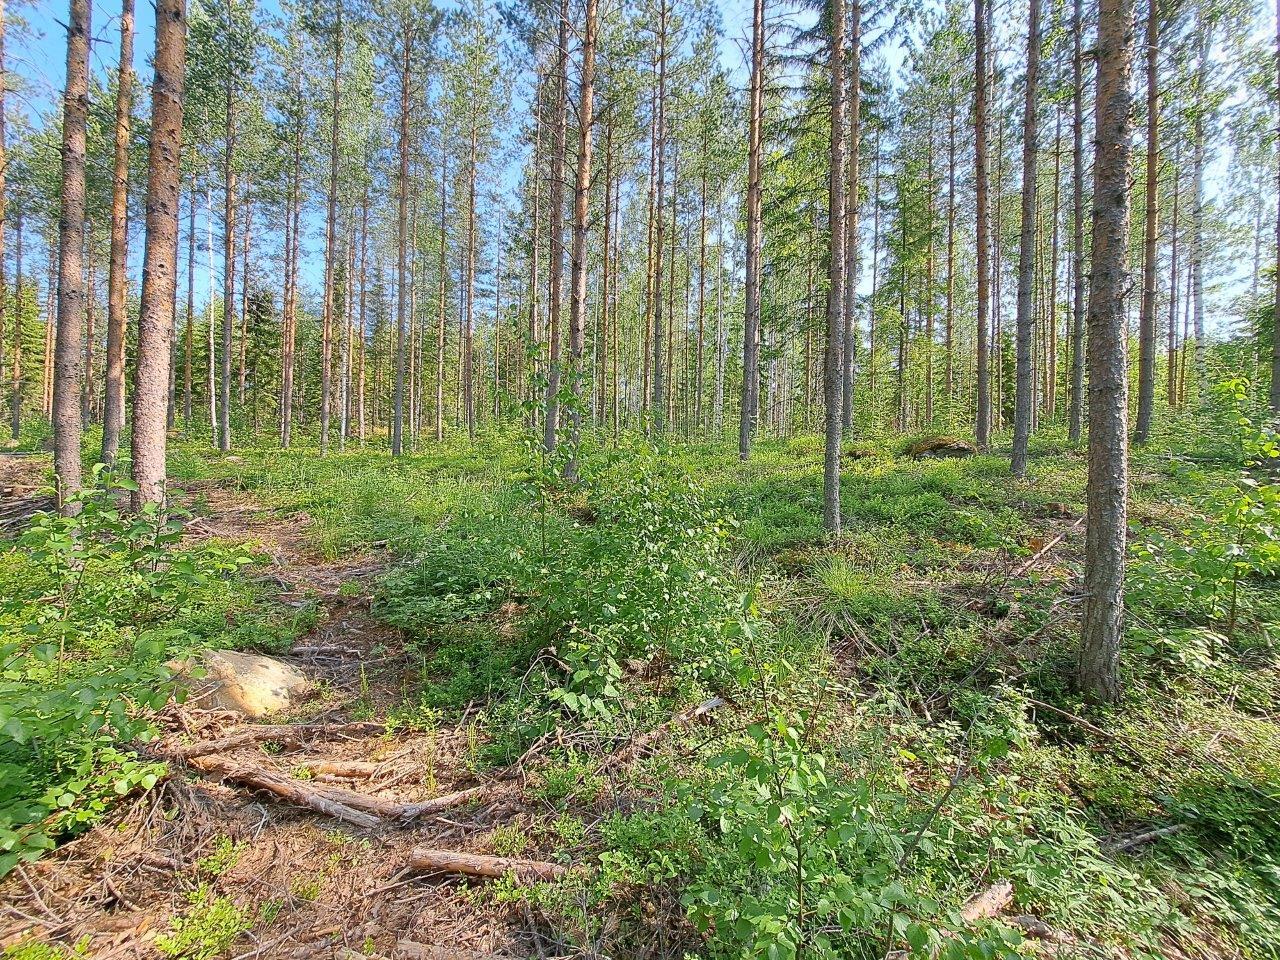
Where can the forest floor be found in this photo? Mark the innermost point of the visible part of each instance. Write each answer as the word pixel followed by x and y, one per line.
pixel 900 730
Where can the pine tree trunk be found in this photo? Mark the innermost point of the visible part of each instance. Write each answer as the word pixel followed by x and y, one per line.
pixel 833 372
pixel 555 227
pixel 330 243
pixel 468 363
pixel 1171 340
pixel 160 256
pixel 853 97
pixel 1275 327
pixel 17 384
pixel 751 313
pixel 948 376
pixel 1024 361
pixel 402 246
pixel 188 345
pixel 440 306
pixel 113 414
pixel 658 403
pixel 1198 161
pixel 72 296
pixel 228 255
pixel 1147 318
pixel 1076 416
pixel 1108 375
pixel 581 197
pixel 982 428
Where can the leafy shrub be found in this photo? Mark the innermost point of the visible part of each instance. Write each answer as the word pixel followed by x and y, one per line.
pixel 94 604
pixel 206 930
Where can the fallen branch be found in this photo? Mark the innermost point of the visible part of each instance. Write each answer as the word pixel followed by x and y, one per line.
pixel 477 865
pixel 645 741
pixel 295 791
pixel 1079 721
pixel 447 801
pixel 1139 839
pixel 1039 554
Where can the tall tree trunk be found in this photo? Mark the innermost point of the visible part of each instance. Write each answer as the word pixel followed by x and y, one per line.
pixel 212 371
pixel 188 345
pixel 440 306
pixel 1108 375
pixel 468 331
pixel 402 245
pixel 160 257
pixel 1171 349
pixel 17 384
pixel 1076 416
pixel 1147 318
pixel 982 427
pixel 1275 326
pixel 113 414
pixel 50 328
pixel 949 309
pixel 246 240
pixel 833 380
pixel 581 198
pixel 1198 162
pixel 72 296
pixel 722 346
pixel 1024 360
pixel 555 227
pixel 228 249
pixel 853 96
pixel 659 401
pixel 751 313
pixel 362 327
pixel 330 243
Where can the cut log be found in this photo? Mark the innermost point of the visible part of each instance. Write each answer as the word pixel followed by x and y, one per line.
pixel 991 902
pixel 477 865
pixel 343 769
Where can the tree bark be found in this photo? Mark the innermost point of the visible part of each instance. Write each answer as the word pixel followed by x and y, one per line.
pixel 1147 317
pixel 658 403
pixel 1076 415
pixel 160 256
pixel 113 414
pixel 440 307
pixel 330 242
pixel 1275 327
pixel 555 227
pixel 581 197
pixel 402 244
pixel 1198 162
pixel 848 363
pixel 833 380
pixel 1024 359
pixel 1108 374
pixel 72 295
pixel 982 428
pixel 751 312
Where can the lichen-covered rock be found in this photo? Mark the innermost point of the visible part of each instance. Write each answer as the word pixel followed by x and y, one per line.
pixel 940 448
pixel 248 683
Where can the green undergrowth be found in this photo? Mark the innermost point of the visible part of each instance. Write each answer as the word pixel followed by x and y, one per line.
pixel 94 606
pixel 901 728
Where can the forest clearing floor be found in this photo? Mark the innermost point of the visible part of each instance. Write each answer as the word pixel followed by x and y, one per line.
pixel 328 887
pixel 512 746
